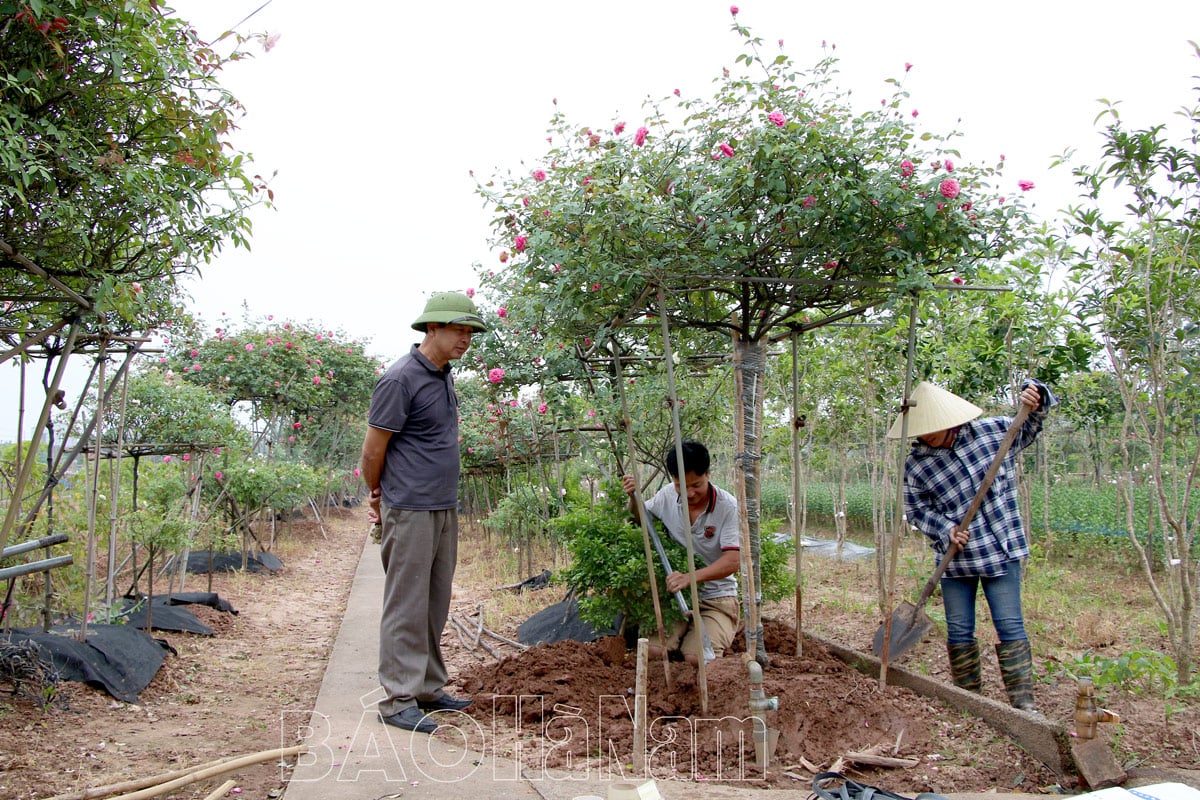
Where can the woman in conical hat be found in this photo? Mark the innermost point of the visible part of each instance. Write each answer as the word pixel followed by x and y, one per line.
pixel 952 451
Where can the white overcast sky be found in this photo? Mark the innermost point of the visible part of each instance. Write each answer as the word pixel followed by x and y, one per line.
pixel 373 113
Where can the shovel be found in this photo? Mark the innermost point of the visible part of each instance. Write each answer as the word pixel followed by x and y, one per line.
pixel 910 622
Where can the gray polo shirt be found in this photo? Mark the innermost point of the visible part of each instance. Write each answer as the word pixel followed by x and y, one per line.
pixel 716 530
pixel 415 400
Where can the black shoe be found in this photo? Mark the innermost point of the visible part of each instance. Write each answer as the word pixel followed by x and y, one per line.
pixel 411 719
pixel 444 703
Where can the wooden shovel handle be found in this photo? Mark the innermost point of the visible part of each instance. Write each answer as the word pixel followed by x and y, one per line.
pixel 1005 445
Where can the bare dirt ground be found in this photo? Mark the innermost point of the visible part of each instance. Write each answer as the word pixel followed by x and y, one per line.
pixel 220 697
pixel 225 695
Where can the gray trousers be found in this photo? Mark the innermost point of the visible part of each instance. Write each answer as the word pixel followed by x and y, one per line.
pixel 419 552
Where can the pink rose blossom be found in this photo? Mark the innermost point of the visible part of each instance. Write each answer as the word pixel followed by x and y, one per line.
pixel 676 93
pixel 539 175
pixel 1025 186
pixel 949 188
pixel 512 403
pixel 136 287
pixel 542 408
pixel 639 136
pixel 726 149
pixel 495 375
pixel 195 367
pixel 187 456
pixel 949 165
pixel 907 168
pixel 519 244
pixel 470 292
pixel 591 412
pixel 504 257
pixel 287 345
pixel 831 264
pixel 296 425
pixel 619 127
pixel 525 201
pixel 502 311
pixel 733 10
pixel 809 201
pixel 316 380
pixel 195 353
pixel 291 439
pixel 357 472
pixel 907 66
pixel 956 279
pixel 249 347
pixel 778 118
pixel 219 475
pixel 914 113
pixel 166 459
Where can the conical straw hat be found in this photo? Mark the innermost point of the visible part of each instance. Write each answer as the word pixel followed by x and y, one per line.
pixel 934 409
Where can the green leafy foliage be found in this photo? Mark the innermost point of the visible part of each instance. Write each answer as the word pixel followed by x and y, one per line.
pixel 1137 670
pixel 608 564
pixel 257 483
pixel 306 386
pixel 161 409
pixel 117 173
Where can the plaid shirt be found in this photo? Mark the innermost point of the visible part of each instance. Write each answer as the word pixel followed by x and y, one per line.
pixel 940 483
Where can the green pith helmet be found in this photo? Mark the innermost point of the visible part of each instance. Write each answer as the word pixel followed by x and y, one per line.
pixel 450 308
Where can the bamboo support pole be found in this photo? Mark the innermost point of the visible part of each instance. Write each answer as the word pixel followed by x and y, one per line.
pixel 697 619
pixel 35 438
pixel 898 526
pixel 797 423
pixel 643 518
pixel 639 708
pixel 167 781
pixel 221 790
pixel 114 483
pixel 93 494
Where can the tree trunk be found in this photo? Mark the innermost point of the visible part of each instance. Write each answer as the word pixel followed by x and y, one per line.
pixel 749 362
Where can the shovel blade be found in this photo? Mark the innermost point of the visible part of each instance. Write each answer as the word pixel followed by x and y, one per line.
pixel 909 625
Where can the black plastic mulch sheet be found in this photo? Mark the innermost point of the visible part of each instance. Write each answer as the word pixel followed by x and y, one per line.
pixel 204 561
pixel 559 622
pixel 120 659
pixel 169 612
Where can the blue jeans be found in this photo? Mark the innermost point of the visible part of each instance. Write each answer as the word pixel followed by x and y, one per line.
pixel 1003 598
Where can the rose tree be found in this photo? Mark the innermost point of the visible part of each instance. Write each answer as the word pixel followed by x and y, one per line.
pixel 774 197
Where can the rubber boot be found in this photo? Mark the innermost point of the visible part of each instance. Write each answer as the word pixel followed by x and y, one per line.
pixel 1016 668
pixel 965 670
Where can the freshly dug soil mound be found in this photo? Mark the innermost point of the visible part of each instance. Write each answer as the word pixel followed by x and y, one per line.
pixel 578 699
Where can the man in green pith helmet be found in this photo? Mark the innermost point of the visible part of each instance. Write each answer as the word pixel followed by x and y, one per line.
pixel 410 463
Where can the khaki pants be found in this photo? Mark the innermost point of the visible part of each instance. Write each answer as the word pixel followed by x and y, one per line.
pixel 720 615
pixel 419 551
